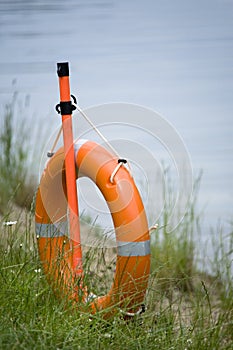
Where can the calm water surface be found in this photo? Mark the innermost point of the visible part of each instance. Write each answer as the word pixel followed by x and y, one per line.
pixel 172 56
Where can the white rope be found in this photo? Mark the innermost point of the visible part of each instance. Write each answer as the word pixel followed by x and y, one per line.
pixel 96 129
pixel 152 228
pixel 51 152
pixel 106 141
pixel 115 171
pixel 132 314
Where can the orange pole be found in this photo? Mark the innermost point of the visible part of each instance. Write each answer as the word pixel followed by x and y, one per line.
pixel 70 171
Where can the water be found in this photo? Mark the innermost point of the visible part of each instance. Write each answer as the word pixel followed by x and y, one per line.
pixel 172 56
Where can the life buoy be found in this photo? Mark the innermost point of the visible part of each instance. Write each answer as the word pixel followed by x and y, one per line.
pixel 128 215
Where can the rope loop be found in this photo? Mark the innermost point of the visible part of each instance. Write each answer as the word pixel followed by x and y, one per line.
pixel 133 314
pixel 120 163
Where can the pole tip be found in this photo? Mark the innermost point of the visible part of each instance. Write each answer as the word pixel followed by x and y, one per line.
pixel 63 69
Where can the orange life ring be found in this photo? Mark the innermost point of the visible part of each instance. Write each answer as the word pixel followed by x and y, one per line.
pixel 128 215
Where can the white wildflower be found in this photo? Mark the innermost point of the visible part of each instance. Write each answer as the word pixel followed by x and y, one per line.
pixel 10 223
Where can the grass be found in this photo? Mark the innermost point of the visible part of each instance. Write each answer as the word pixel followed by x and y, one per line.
pixel 33 318
pixel 186 308
pixel 17 185
pixel 174 251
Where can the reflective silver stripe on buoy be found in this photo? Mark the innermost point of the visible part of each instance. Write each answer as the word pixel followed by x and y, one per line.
pixel 52 230
pixel 133 248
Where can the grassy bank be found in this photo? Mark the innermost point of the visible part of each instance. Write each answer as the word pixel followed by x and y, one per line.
pixel 185 308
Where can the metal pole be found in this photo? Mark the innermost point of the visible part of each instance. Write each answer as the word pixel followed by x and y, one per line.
pixel 70 171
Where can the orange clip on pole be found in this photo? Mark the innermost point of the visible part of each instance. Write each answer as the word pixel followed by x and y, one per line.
pixel 66 112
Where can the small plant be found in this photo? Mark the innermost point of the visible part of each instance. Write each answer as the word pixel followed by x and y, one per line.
pixel 173 252
pixel 16 184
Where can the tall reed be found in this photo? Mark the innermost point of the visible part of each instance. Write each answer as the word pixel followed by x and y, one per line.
pixel 17 184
